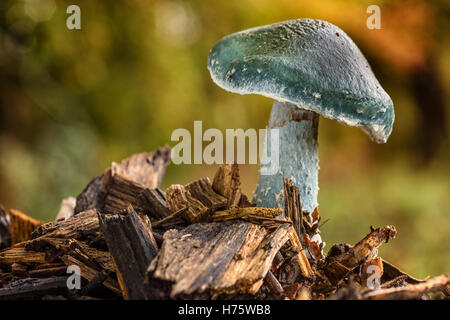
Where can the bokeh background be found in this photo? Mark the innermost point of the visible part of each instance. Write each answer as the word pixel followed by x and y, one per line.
pixel 71 102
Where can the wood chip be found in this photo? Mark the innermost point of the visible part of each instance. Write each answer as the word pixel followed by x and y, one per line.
pixel 342 259
pixel 368 273
pixel 90 273
pixel 179 198
pixel 293 205
pixel 227 182
pixel 83 226
pixel 33 288
pixel 366 247
pixel 236 213
pixel 202 191
pixel 153 203
pixel 140 171
pixel 18 254
pixel 412 291
pixel 274 284
pixel 226 257
pixel 131 243
pixel 21 226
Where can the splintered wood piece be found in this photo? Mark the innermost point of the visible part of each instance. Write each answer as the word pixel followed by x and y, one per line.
pixel 97 281
pixel 227 182
pixel 311 222
pixel 144 170
pixel 94 194
pixel 257 259
pixel 172 217
pixel 222 180
pixel 72 252
pixel 269 223
pixel 56 247
pixel 31 288
pixel 366 247
pixel 178 198
pixel 5 234
pixel 48 270
pixel 216 258
pixel 153 203
pixel 335 272
pixel 244 202
pixel 19 269
pixel 132 246
pixel 236 213
pixel 278 260
pixel 18 254
pixel 203 192
pixel 41 258
pixel 396 282
pixel 293 205
pixel 273 284
pixel 366 271
pixel 302 260
pixel 235 196
pixel 343 258
pixel 315 251
pixel 83 226
pixel 121 193
pixel 90 273
pixel 290 291
pixel 412 291
pixel 21 226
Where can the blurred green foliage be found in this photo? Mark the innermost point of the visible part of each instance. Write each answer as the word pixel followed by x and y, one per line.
pixel 73 101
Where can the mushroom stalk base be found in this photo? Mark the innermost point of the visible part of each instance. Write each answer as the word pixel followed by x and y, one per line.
pixel 298 157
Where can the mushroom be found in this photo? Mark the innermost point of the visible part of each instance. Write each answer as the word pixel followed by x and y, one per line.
pixel 310 68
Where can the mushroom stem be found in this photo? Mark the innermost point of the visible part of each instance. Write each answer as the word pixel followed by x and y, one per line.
pixel 298 157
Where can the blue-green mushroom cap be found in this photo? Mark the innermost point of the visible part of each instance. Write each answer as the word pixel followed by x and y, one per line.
pixel 310 63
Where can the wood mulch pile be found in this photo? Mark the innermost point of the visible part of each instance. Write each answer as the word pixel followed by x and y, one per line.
pixel 203 240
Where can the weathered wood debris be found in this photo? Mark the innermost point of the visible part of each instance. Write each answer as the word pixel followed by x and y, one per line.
pixel 205 240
